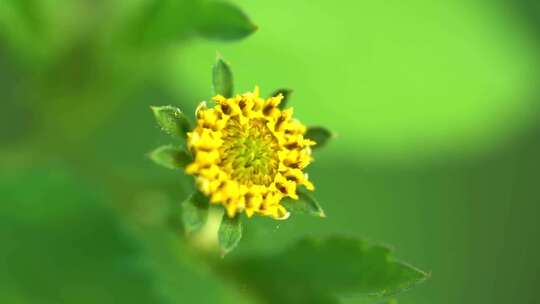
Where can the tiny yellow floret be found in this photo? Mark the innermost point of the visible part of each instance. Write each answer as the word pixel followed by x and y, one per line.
pixel 249 154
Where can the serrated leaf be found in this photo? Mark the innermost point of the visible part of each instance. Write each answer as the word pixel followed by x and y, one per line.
pixel 172 121
pixel 170 157
pixel 318 271
pixel 229 233
pixel 320 135
pixel 224 21
pixel 305 204
pixel 194 212
pixel 286 95
pixel 222 78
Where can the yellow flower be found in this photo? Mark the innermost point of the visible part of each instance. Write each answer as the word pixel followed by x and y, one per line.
pixel 249 154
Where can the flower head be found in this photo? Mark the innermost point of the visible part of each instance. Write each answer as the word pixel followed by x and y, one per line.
pixel 249 154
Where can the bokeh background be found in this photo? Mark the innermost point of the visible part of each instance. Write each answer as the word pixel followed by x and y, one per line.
pixel 435 103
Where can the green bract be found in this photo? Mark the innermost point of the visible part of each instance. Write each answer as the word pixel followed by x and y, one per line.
pixel 320 135
pixel 286 94
pixel 194 212
pixel 229 233
pixel 171 157
pixel 222 78
pixel 172 121
pixel 305 204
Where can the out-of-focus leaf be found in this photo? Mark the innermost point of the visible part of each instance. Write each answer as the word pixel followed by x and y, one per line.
pixel 222 78
pixel 353 300
pixel 179 277
pixel 61 245
pixel 286 95
pixel 318 271
pixel 162 22
pixel 30 13
pixel 229 233
pixel 165 22
pixel 170 157
pixel 305 203
pixel 320 135
pixel 172 121
pixel 194 212
pixel 224 21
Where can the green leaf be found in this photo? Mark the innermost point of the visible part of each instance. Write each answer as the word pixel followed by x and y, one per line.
pixel 286 94
pixel 194 212
pixel 224 21
pixel 320 135
pixel 321 270
pixel 179 275
pixel 172 121
pixel 31 13
pixel 57 231
pixel 229 233
pixel 222 78
pixel 305 204
pixel 170 157
pixel 354 300
pixel 161 23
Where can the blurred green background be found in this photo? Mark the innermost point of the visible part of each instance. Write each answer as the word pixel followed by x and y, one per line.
pixel 436 104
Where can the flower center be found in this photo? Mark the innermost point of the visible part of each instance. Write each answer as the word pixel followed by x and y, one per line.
pixel 249 152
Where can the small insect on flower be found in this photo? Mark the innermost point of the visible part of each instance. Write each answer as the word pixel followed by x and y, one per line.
pixel 249 154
